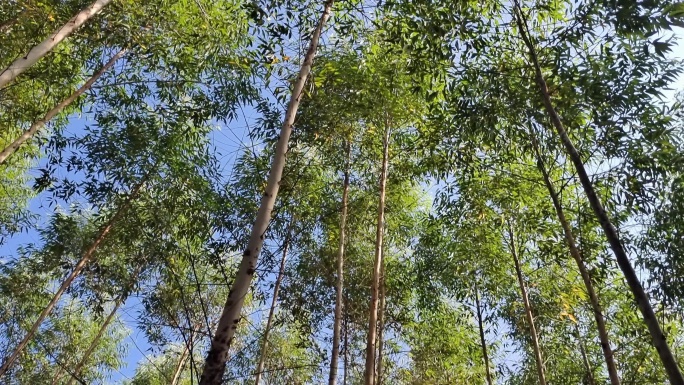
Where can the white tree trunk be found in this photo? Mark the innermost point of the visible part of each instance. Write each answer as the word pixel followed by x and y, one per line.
pixel 217 356
pixel 38 124
pixel 36 53
pixel 87 256
pixel 95 342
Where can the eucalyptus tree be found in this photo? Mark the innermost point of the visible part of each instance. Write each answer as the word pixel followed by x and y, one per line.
pixel 24 62
pixel 23 301
pixel 217 355
pixel 636 287
pixel 37 125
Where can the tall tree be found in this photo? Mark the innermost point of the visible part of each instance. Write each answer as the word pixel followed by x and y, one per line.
pixel 271 312
pixel 369 376
pixel 339 284
pixel 529 315
pixel 657 335
pixel 218 354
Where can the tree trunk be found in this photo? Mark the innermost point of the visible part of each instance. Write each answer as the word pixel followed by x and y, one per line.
pixel 36 53
pixel 483 342
pixel 577 256
pixel 179 368
pixel 381 325
pixel 339 285
pixel 38 124
pixel 70 278
pixel 274 301
pixel 369 374
pixel 587 366
pixel 528 310
pixel 657 335
pixel 346 344
pixel 96 340
pixel 230 317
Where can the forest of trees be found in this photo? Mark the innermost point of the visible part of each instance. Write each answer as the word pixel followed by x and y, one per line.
pixel 410 192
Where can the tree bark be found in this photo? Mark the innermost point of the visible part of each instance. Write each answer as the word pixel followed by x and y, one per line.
pixel 346 344
pixel 274 301
pixel 528 310
pixel 70 278
pixel 339 285
pixel 36 53
pixel 179 368
pixel 381 324
pixel 587 366
pixel 218 353
pixel 586 277
pixel 657 335
pixel 38 124
pixel 369 374
pixel 96 341
pixel 483 341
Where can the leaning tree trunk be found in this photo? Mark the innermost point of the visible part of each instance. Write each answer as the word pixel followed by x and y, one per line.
pixel 36 53
pixel 369 374
pixel 577 256
pixel 483 341
pixel 87 256
pixel 95 341
pixel 381 325
pixel 274 301
pixel 215 363
pixel 528 310
pixel 103 328
pixel 657 335
pixel 585 360
pixel 179 368
pixel 339 285
pixel 38 124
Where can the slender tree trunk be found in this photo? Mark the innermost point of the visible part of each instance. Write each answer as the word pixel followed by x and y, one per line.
pixel 528 310
pixel 577 256
pixel 96 341
pixel 38 124
pixel 36 53
pixel 70 278
pixel 217 356
pixel 334 357
pixel 587 366
pixel 381 325
pixel 274 301
pixel 369 374
pixel 483 342
pixel 657 335
pixel 346 344
pixel 179 368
